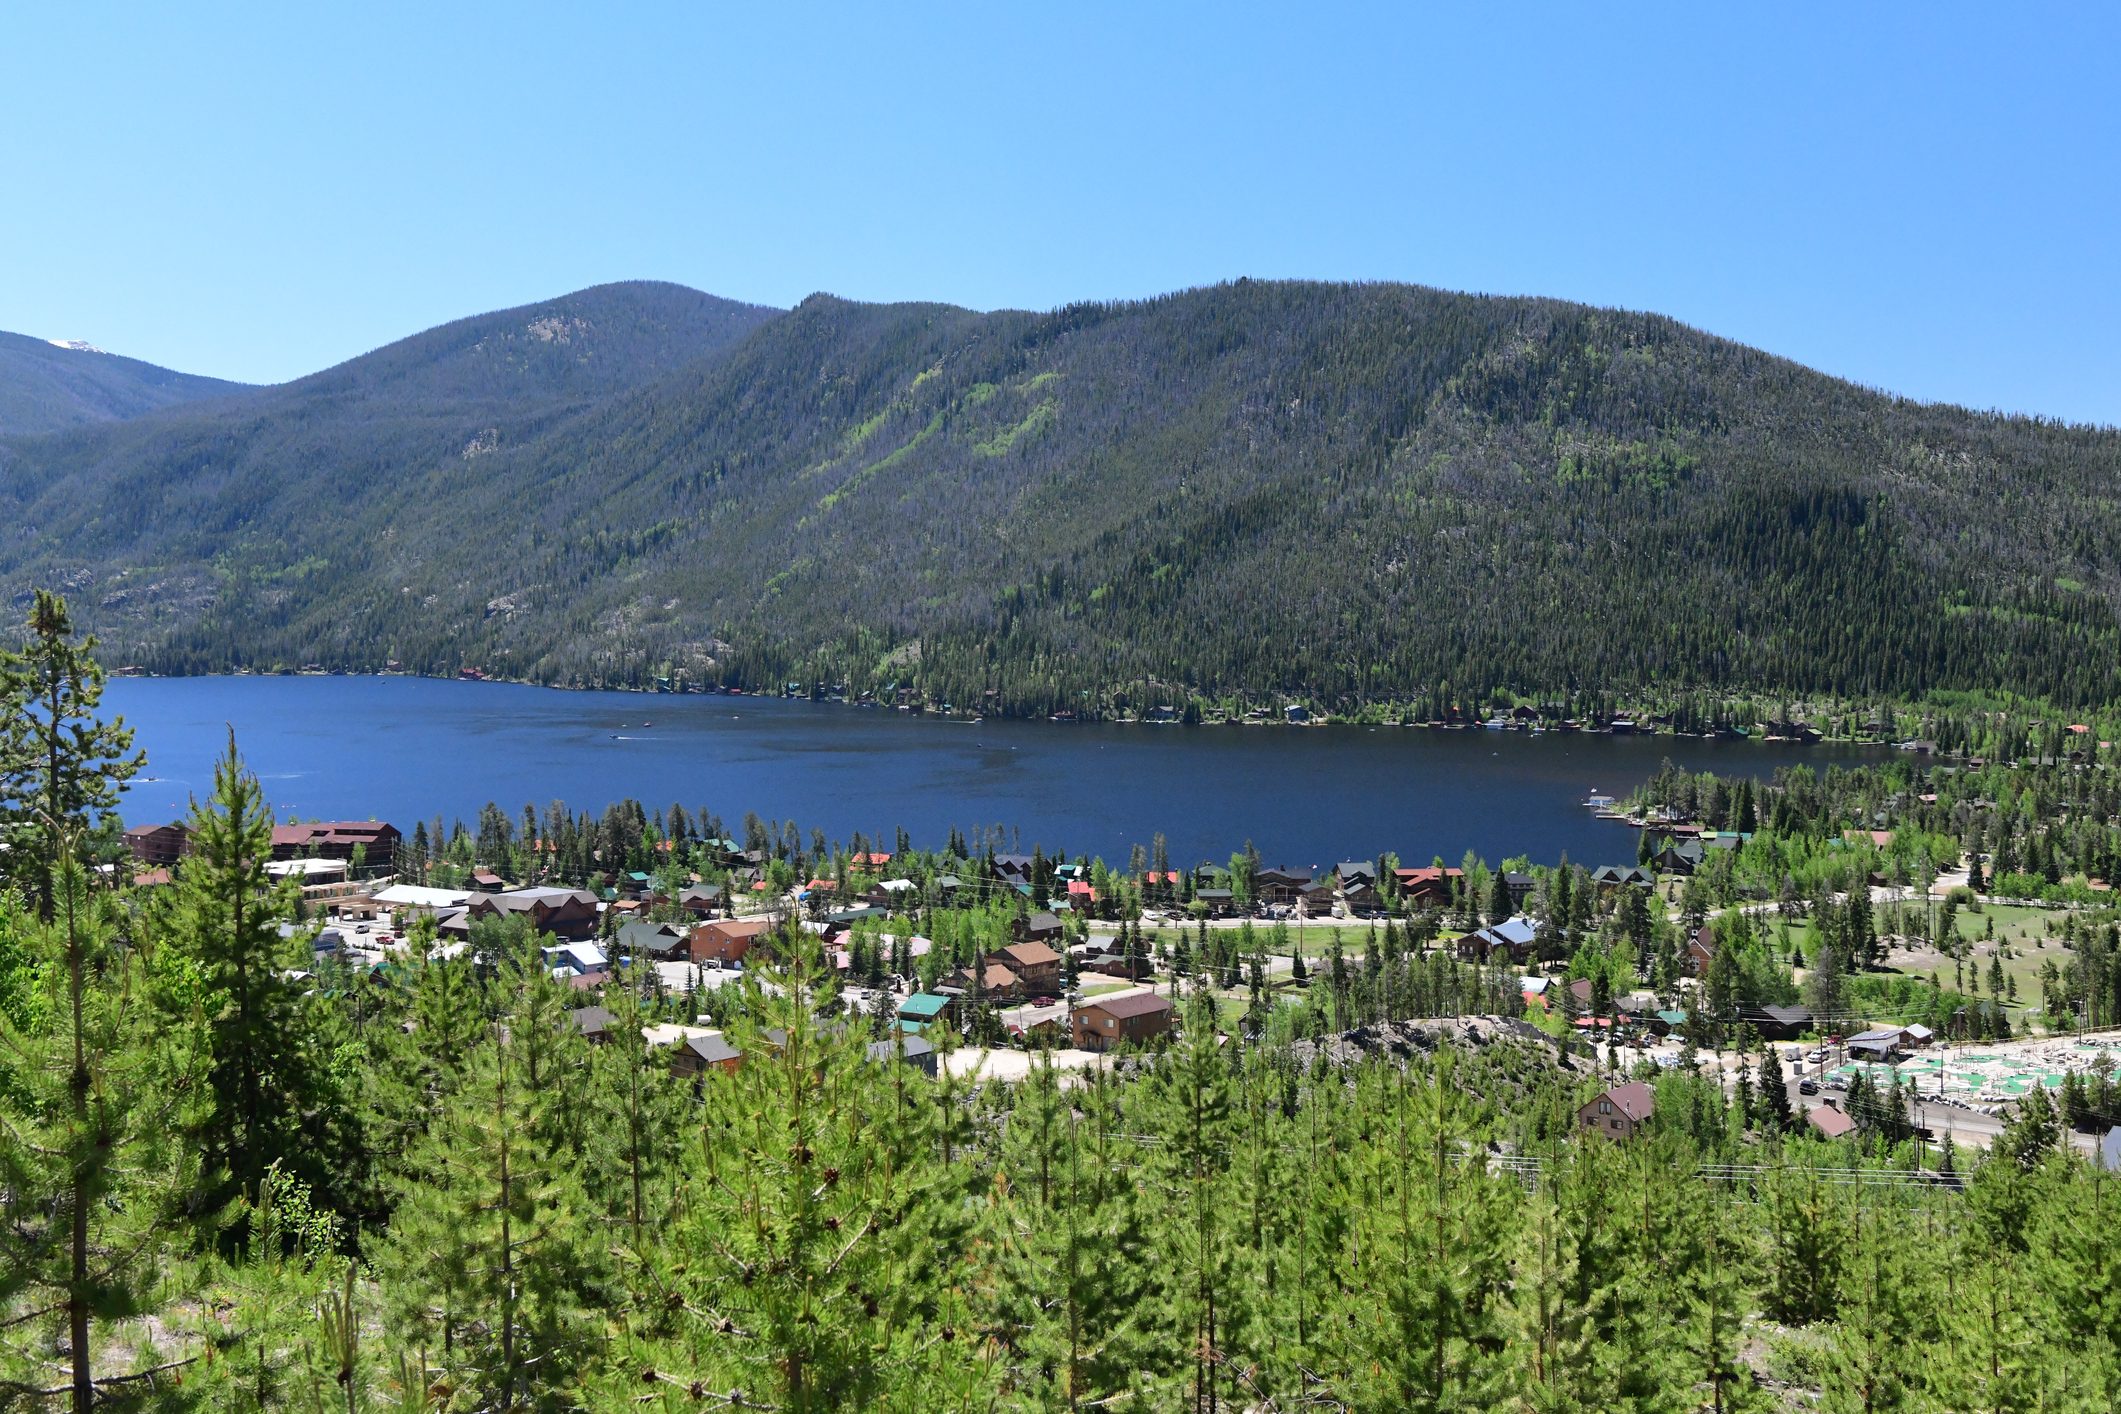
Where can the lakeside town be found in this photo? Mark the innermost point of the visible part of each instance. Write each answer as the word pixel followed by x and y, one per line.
pixel 1072 961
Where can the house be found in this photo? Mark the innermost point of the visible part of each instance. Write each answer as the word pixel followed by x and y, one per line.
pixel 1433 887
pixel 916 1051
pixel 922 1008
pixel 1355 874
pixel 158 846
pixel 701 1053
pixel 593 1022
pixel 1038 927
pixel 485 881
pixel 1700 952
pixel 1013 868
pixel 1513 937
pixel 1576 997
pixel 1037 964
pixel 1535 990
pixel 1520 885
pixel 1218 902
pixel 1279 885
pixel 337 839
pixel 1679 856
pixel 2109 1155
pixel 702 900
pixel 664 942
pixel 1917 1038
pixel 1784 1023
pixel 1610 878
pixel 1618 1112
pixel 564 913
pixel 727 941
pixel 1130 1020
pixel 1361 900
pixel 1829 1122
pixel 997 983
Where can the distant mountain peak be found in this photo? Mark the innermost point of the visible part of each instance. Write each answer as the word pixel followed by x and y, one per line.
pixel 76 345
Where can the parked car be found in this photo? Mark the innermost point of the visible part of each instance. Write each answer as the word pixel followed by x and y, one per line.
pixel 1817 1056
pixel 1807 1087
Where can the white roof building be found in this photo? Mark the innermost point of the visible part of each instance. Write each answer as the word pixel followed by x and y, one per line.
pixel 418 896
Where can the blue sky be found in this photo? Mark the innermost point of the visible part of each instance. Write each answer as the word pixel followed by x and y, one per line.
pixel 1922 198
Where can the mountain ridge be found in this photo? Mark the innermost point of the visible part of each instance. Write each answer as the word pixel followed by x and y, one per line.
pixel 48 385
pixel 1256 489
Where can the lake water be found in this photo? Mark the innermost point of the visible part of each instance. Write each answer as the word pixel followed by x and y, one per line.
pixel 407 749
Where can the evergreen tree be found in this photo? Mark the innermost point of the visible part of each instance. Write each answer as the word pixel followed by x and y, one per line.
pixel 98 1084
pixel 489 1266
pixel 61 766
pixel 224 918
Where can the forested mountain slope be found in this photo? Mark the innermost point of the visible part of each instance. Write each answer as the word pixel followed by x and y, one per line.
pixel 1340 492
pixel 47 387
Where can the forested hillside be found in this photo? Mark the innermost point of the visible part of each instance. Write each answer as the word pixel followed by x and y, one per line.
pixel 1343 493
pixel 46 387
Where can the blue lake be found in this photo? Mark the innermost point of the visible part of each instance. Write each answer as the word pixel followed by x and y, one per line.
pixel 407 749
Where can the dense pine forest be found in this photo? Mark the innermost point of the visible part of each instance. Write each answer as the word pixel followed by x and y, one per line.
pixel 1341 494
pixel 238 1174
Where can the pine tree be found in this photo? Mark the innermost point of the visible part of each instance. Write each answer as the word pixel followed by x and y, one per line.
pixel 61 767
pixel 1774 1099
pixel 814 1260
pixel 489 1267
pixel 224 918
pixel 1500 902
pixel 103 1075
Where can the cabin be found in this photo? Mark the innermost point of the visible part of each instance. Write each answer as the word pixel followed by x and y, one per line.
pixel 1829 1122
pixel 1433 887
pixel 1784 1023
pixel 1280 885
pixel 702 900
pixel 1038 965
pixel 908 1049
pixel 593 1023
pixel 663 942
pixel 703 1052
pixel 1700 952
pixel 727 942
pixel 1680 857
pixel 1514 938
pixel 923 1008
pixel 1131 1020
pixel 1355 874
pixel 1039 927
pixel 1611 878
pixel 1619 1112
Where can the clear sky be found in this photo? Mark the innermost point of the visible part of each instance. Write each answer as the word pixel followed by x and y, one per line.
pixel 1926 198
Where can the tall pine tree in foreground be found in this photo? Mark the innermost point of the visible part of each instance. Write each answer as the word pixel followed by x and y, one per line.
pixel 224 916
pixel 98 1085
